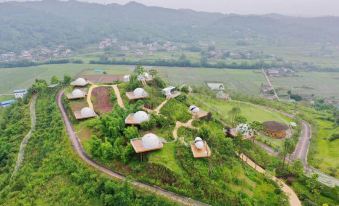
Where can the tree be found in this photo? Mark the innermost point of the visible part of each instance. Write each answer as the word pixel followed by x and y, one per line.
pixel 55 80
pixel 240 120
pixel 131 133
pixel 287 150
pixel 297 168
pixel 107 150
pixel 235 111
pixel 67 80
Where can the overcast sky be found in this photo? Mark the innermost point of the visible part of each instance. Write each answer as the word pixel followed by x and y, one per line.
pixel 289 7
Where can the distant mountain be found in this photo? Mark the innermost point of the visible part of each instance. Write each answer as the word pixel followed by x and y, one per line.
pixel 77 24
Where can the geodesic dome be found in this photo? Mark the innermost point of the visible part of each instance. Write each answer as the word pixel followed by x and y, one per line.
pixel 77 93
pixel 87 112
pixel 150 141
pixel 79 82
pixel 194 109
pixel 139 92
pixel 199 143
pixel 127 78
pixel 141 116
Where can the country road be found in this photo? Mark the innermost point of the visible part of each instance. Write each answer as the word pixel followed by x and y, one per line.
pixel 25 140
pixel 80 151
pixel 301 152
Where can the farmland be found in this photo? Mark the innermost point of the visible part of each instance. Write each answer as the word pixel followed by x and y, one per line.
pixel 322 84
pixel 15 78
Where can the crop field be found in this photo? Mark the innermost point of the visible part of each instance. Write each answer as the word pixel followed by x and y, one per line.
pixel 322 84
pixel 16 78
pixel 101 99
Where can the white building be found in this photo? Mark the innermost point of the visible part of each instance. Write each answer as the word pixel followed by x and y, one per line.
pixel 20 93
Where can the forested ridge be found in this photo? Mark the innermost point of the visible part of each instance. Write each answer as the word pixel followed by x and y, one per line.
pixel 26 25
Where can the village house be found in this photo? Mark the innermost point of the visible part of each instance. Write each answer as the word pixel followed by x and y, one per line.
pixel 7 103
pixel 20 93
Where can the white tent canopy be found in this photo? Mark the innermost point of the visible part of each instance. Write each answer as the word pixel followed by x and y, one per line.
pixel 76 93
pixel 87 112
pixel 194 109
pixel 150 141
pixel 199 143
pixel 141 116
pixel 139 92
pixel 79 82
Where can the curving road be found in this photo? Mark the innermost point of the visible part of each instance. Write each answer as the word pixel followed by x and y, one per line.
pixel 80 151
pixel 25 140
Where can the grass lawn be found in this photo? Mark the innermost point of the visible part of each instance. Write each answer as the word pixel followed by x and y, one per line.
pixel 6 97
pixel 166 157
pixel 327 155
pixel 250 111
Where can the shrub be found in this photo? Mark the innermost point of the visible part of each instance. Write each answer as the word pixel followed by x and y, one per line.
pixel 334 137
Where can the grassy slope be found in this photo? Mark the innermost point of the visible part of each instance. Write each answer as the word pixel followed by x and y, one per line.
pixel 327 154
pixel 52 174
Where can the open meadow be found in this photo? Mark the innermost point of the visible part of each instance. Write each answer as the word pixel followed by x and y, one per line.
pixel 321 84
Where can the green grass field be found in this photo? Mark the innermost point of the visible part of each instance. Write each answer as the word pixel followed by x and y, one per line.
pixel 321 84
pixel 250 111
pixel 326 156
pixel 16 78
pixel 166 157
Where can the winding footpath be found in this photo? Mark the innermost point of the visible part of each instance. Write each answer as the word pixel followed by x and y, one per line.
pixel 25 140
pixel 292 196
pixel 80 151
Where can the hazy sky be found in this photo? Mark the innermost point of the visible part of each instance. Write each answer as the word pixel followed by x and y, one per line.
pixel 290 7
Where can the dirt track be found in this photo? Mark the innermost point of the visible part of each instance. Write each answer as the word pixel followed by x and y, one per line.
pixel 25 140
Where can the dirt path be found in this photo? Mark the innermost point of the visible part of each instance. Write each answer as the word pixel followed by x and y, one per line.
pixel 270 84
pixel 25 140
pixel 80 151
pixel 157 110
pixel 292 196
pixel 117 94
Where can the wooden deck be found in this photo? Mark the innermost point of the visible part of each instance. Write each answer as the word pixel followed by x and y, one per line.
pixel 201 153
pixel 139 148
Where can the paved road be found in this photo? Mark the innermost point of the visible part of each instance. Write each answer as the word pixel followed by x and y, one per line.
pixel 301 152
pixel 80 151
pixel 25 140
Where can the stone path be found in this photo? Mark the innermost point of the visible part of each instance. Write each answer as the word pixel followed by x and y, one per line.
pixel 25 140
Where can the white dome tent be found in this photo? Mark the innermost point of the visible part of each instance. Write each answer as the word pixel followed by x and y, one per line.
pixel 77 93
pixel 139 92
pixel 199 143
pixel 140 117
pixel 194 109
pixel 150 141
pixel 87 112
pixel 79 82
